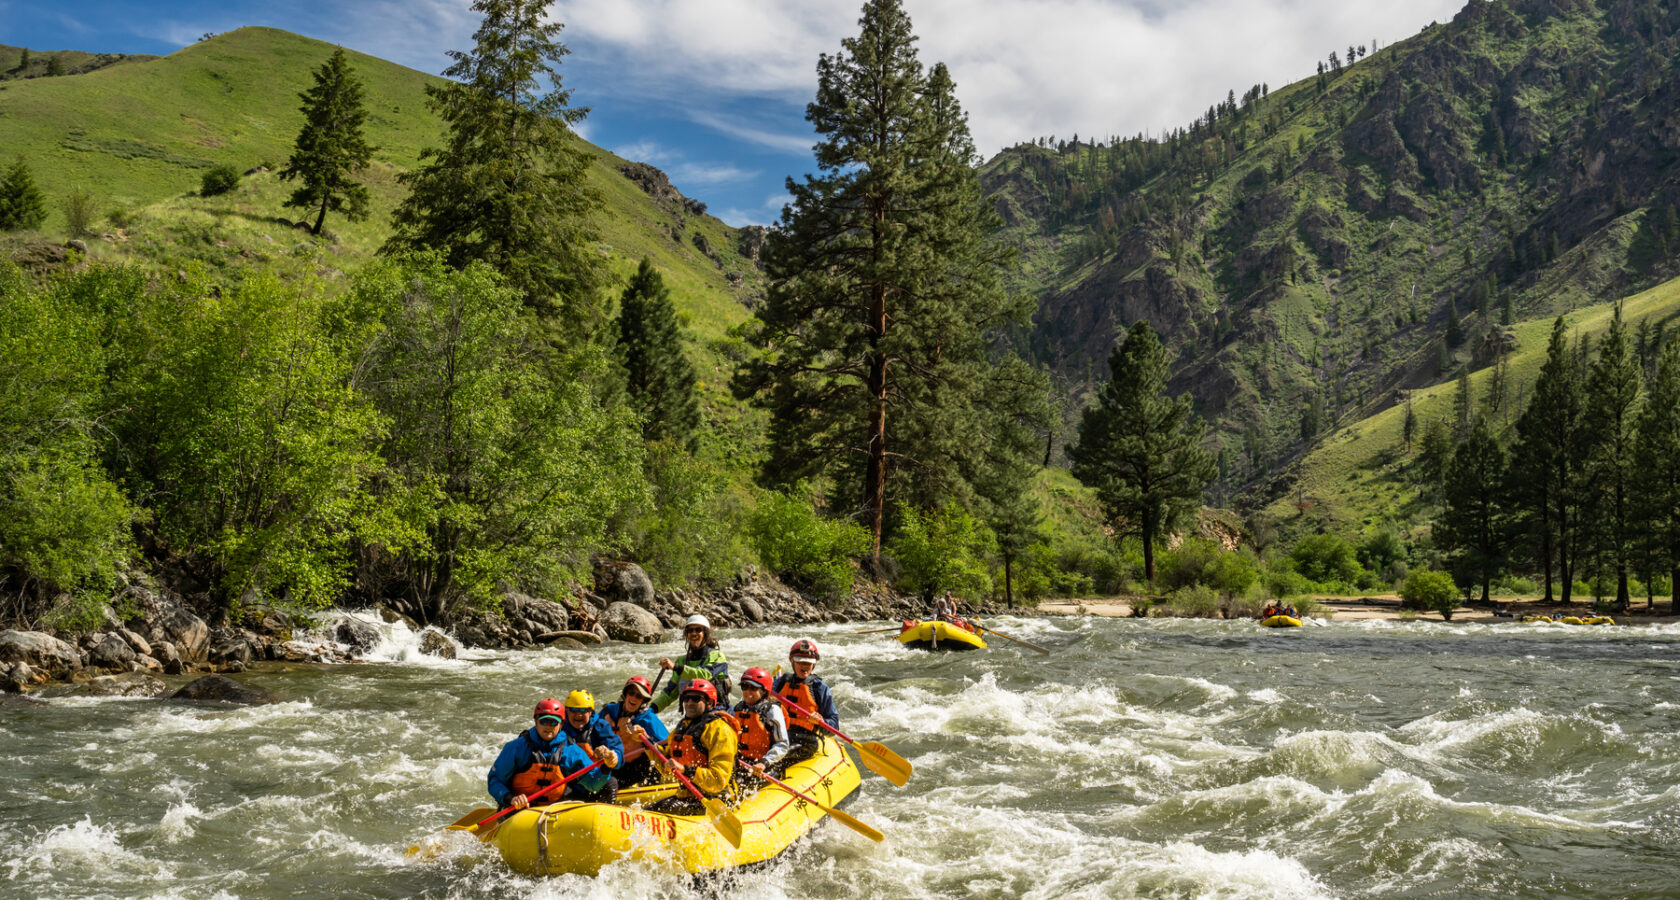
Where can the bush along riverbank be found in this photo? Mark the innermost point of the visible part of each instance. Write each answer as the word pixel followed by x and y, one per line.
pixel 147 631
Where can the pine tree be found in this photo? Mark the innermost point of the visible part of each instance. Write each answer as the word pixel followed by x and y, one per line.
pixel 22 205
pixel 1455 334
pixel 510 187
pixel 658 375
pixel 23 61
pixel 1546 462
pixel 1408 427
pixel 1434 453
pixel 1473 523
pixel 1139 449
pixel 1464 403
pixel 883 290
pixel 1657 459
pixel 55 66
pixel 331 149
pixel 1613 392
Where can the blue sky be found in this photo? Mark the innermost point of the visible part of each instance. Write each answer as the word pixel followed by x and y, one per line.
pixel 714 91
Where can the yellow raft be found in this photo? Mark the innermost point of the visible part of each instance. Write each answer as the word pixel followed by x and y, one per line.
pixel 938 635
pixel 580 838
pixel 1281 622
pixel 1572 620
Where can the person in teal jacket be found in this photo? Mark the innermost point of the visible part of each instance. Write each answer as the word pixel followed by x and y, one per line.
pixel 703 660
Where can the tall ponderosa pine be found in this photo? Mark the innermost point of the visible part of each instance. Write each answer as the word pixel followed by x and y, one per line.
pixel 21 203
pixel 331 149
pixel 1614 385
pixel 1546 462
pixel 659 377
pixel 1473 523
pixel 1658 463
pixel 879 374
pixel 510 187
pixel 1139 449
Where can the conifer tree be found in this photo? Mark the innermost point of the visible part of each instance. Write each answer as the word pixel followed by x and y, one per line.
pixel 510 185
pixel 330 149
pixel 1657 459
pixel 21 202
pixel 1140 449
pixel 1408 427
pixel 1546 462
pixel 659 377
pixel 1434 453
pixel 883 291
pixel 1473 524
pixel 1464 404
pixel 23 61
pixel 1614 386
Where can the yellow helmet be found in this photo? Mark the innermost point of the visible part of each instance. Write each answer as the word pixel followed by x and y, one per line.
pixel 580 700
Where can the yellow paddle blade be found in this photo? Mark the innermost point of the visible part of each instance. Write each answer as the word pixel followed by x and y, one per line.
pixel 883 762
pixel 847 820
pixel 469 822
pixel 727 823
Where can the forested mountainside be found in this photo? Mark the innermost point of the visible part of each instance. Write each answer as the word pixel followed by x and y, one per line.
pixel 1312 251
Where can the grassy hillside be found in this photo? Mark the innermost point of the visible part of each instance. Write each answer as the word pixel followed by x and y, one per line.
pixel 140 135
pixel 1357 477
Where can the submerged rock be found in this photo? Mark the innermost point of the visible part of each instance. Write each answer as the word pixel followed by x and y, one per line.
pixel 217 689
pixel 133 684
pixel 361 637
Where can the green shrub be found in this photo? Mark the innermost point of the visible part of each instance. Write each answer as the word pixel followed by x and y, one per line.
pixel 942 550
pixel 218 180
pixel 1283 581
pixel 1193 602
pixel 79 213
pixel 1513 584
pixel 122 217
pixel 803 548
pixel 1326 559
pixel 1428 589
pixel 1201 561
pixel 690 531
pixel 1246 606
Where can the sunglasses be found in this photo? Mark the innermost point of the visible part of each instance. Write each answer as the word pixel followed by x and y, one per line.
pixel 695 630
pixel 548 720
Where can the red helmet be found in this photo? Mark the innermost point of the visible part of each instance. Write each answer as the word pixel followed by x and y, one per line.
pixel 756 676
pixel 701 686
pixel 640 685
pixel 548 706
pixel 806 648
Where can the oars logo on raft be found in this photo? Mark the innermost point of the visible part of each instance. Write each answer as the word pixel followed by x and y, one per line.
pixel 658 826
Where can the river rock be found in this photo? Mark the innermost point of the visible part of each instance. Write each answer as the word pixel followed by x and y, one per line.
pixel 217 689
pixel 566 643
pixel 534 614
pixel 186 631
pixel 361 637
pixel 623 582
pixel 40 651
pixel 130 684
pixel 113 653
pixel 582 637
pixel 629 622
pixel 135 642
pixel 752 610
pixel 231 646
pixel 436 643
pixel 268 621
pixel 16 677
pixel 19 701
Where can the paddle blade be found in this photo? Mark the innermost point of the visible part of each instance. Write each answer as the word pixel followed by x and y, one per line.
pixel 884 762
pixel 846 819
pixel 469 822
pixel 727 823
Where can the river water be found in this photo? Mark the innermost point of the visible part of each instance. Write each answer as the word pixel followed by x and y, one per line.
pixel 1146 758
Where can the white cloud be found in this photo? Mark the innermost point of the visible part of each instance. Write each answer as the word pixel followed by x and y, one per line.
pixel 769 211
pixel 1023 68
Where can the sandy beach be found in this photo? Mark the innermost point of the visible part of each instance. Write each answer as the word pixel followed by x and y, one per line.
pixel 1347 609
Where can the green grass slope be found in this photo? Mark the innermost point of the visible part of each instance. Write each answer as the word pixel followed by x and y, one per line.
pixel 1356 477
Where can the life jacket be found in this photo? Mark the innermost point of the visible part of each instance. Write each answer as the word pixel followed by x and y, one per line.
pixel 544 770
pixel 799 692
pixel 755 737
pixel 625 725
pixel 686 748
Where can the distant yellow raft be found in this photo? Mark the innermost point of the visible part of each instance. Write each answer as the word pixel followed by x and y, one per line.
pixel 580 838
pixel 938 635
pixel 1572 620
pixel 1281 622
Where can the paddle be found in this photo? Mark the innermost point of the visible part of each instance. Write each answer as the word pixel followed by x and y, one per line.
pixel 1008 638
pixel 468 823
pixel 878 757
pixel 895 629
pixel 838 816
pixel 726 822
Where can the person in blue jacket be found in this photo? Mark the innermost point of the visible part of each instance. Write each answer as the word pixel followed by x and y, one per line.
pixel 630 711
pixel 539 757
pixel 595 735
pixel 803 688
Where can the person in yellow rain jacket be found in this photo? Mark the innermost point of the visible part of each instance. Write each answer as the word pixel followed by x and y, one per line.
pixel 704 744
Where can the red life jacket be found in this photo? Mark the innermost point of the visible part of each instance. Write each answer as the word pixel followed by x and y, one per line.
pixel 543 771
pixel 755 738
pixel 685 746
pixel 800 693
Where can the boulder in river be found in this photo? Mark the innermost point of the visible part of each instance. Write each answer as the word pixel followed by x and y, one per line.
pixel 624 582
pixel 581 637
pixel 41 651
pixel 186 631
pixel 361 637
pixel 16 677
pixel 217 689
pixel 534 614
pixel 436 643
pixel 629 622
pixel 113 653
pixel 229 647
pixel 131 684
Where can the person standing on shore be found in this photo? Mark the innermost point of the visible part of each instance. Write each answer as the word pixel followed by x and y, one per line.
pixel 804 688
pixel 703 660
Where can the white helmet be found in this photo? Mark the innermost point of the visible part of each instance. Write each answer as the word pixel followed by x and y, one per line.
pixel 699 620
